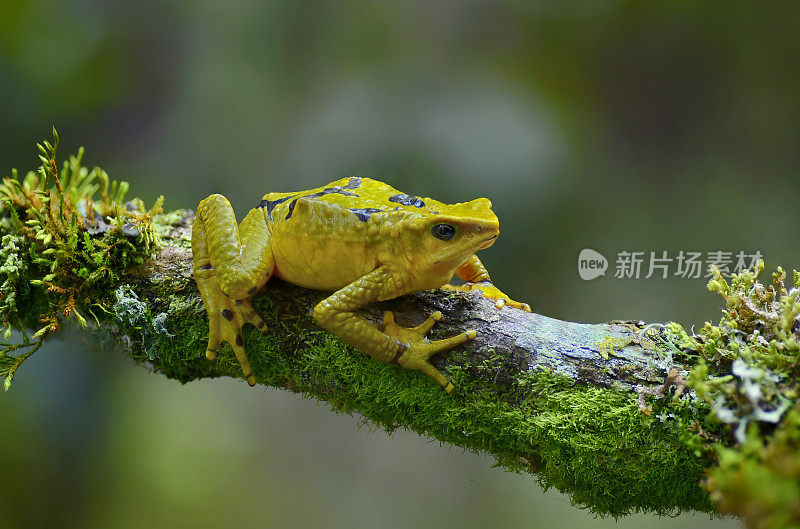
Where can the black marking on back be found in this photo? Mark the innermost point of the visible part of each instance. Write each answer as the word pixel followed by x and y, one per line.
pixel 336 189
pixel 353 183
pixel 270 204
pixel 363 214
pixel 407 200
pixel 292 204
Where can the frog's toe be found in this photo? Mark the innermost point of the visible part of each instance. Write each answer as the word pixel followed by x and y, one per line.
pixel 437 376
pixel 233 335
pixel 448 343
pixel 250 315
pixel 238 349
pixel 409 334
pixel 428 324
pixel 490 291
pixel 389 325
pixel 214 338
pixel 508 302
pixel 501 300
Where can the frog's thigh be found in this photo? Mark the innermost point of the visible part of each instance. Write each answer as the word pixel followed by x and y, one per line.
pixel 241 256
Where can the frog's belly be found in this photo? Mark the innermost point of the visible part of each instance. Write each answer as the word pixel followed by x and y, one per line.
pixel 322 265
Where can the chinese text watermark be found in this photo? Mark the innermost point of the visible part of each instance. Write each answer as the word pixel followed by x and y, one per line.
pixel 663 264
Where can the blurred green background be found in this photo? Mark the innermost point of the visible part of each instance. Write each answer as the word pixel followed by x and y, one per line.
pixel 616 126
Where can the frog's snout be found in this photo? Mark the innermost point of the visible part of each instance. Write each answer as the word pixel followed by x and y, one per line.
pixel 485 233
pixel 489 227
pixel 486 229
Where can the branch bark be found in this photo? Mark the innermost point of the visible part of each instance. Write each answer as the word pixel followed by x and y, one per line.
pixel 558 399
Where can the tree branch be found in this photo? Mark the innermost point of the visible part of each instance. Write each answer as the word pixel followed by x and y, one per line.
pixel 588 409
pixel 558 399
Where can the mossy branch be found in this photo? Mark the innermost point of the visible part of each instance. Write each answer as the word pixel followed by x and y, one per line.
pixel 555 398
pixel 623 416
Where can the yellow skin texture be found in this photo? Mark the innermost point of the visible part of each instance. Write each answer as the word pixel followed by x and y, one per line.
pixel 359 237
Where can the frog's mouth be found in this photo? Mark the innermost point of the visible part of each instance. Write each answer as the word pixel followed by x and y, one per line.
pixel 488 242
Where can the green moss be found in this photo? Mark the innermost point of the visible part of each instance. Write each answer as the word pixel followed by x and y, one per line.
pixel 592 442
pixel 67 239
pixel 760 479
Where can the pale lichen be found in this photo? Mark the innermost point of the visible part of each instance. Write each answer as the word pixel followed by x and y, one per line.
pixel 131 311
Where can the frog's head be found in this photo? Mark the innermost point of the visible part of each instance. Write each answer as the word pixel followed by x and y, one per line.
pixel 444 238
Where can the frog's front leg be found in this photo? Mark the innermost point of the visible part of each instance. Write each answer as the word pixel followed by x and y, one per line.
pixel 230 264
pixel 477 278
pixel 407 347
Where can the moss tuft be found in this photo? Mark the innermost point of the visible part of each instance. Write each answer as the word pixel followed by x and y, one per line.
pixel 746 372
pixel 608 345
pixel 68 236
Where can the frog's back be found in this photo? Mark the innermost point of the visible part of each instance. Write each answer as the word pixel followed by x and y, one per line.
pixel 327 237
pixel 347 193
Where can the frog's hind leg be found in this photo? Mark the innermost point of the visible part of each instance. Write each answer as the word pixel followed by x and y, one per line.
pixel 230 264
pixel 241 257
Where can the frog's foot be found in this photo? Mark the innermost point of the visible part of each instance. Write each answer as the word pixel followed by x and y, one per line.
pixel 417 350
pixel 492 292
pixel 225 320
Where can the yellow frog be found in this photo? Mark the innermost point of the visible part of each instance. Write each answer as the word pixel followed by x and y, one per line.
pixel 357 236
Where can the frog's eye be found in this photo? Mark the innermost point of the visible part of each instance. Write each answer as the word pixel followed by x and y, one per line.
pixel 444 232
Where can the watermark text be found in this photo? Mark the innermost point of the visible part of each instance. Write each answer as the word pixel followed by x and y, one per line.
pixel 663 264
